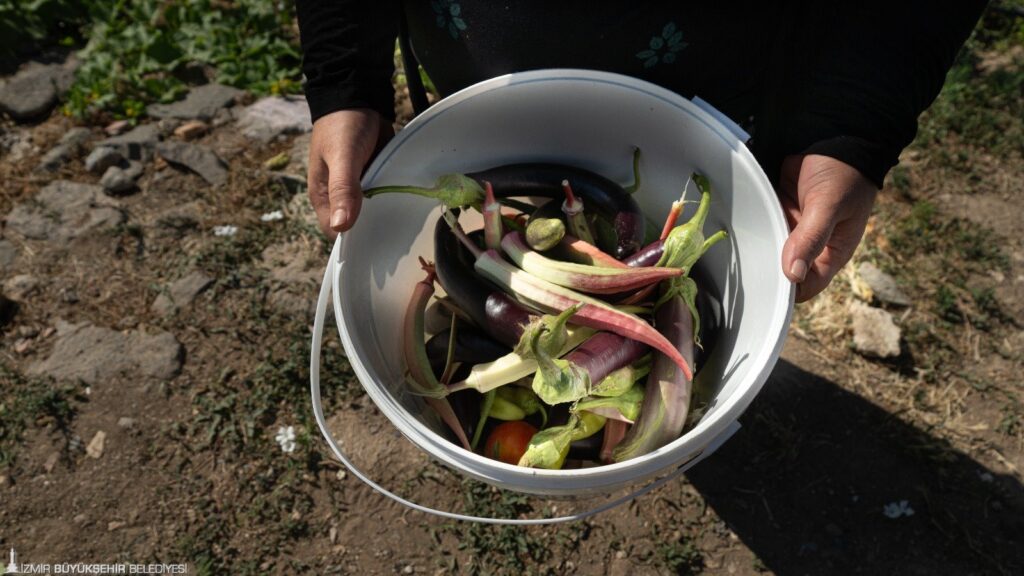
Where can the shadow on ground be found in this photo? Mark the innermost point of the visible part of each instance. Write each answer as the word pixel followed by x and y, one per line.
pixel 817 466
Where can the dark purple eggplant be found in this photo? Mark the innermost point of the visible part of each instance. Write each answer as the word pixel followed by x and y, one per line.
pixel 472 346
pixel 491 309
pixel 599 194
pixel 646 256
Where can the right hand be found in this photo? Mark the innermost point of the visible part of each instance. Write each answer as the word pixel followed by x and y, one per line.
pixel 342 144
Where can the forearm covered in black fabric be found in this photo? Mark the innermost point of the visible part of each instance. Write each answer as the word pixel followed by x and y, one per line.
pixel 865 74
pixel 348 48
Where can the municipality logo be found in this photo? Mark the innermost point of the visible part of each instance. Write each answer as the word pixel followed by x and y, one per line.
pixel 12 566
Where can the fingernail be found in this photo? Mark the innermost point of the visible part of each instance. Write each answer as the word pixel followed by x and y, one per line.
pixel 798 270
pixel 338 218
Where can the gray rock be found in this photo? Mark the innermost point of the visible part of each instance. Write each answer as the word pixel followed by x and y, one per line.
pixel 31 93
pixel 70 146
pixel 101 158
pixel 95 355
pixel 883 286
pixel 274 116
pixel 64 210
pixel 135 144
pixel 121 179
pixel 200 103
pixel 294 270
pixel 181 293
pixel 875 335
pixel 15 144
pixel 8 254
pixel 21 286
pixel 178 220
pixel 196 158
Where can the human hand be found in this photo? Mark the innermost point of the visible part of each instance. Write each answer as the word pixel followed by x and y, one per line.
pixel 342 144
pixel 827 203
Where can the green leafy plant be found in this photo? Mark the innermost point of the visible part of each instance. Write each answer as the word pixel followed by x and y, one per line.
pixel 148 51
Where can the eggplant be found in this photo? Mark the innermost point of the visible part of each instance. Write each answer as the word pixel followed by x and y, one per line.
pixel 602 196
pixel 472 346
pixel 503 318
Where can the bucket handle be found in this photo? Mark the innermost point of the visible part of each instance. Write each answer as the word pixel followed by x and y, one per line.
pixel 318 413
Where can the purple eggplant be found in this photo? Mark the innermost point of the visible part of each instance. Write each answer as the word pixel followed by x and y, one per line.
pixel 472 346
pixel 601 195
pixel 492 310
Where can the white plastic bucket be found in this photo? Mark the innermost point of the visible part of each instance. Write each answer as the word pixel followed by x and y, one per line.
pixel 593 120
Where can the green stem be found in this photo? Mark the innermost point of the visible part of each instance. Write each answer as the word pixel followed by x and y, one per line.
pixel 485 409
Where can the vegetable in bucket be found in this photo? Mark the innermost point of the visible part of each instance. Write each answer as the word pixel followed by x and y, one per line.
pixel 595 330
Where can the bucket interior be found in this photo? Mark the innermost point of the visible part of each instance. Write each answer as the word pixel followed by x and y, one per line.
pixel 594 121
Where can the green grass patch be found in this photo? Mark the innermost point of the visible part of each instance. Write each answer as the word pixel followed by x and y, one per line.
pixel 27 402
pixel 148 51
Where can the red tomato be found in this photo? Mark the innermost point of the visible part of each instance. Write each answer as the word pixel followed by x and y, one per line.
pixel 508 441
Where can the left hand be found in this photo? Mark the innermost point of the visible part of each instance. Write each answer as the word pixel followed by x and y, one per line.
pixel 827 203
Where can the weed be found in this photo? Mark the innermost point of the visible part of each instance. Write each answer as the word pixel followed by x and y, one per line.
pixel 26 401
pixel 681 557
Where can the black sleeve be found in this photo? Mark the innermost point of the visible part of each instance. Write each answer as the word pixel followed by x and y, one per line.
pixel 347 54
pixel 853 78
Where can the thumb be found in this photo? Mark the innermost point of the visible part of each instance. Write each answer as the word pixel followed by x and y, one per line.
pixel 344 193
pixel 806 241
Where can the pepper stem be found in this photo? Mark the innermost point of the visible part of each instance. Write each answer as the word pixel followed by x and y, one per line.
pixel 635 186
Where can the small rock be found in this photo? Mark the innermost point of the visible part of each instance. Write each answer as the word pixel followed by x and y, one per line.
pixel 883 286
pixel 198 159
pixel 69 146
pixel 181 293
pixel 28 331
pixel 51 462
pixel 120 180
pixel 96 445
pixel 17 143
pixel 64 210
pixel 93 355
pixel 21 286
pixel 8 254
pixel 115 525
pixel 117 127
pixel 79 518
pixel 408 569
pixel 874 332
pixel 31 93
pixel 23 345
pixel 126 422
pixel 275 116
pixel 332 534
pixel 101 158
pixel 201 103
pixel 137 143
pixel 191 130
pixel 167 126
pixel 69 295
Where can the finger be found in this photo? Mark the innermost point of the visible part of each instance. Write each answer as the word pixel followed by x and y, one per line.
pixel 343 192
pixel 316 182
pixel 807 240
pixel 820 274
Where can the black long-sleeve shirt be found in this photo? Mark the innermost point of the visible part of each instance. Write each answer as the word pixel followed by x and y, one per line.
pixel 843 79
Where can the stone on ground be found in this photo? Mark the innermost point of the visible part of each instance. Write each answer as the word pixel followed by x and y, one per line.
pixel 8 254
pixel 875 335
pixel 181 293
pixel 32 92
pixel 294 272
pixel 96 355
pixel 198 159
pixel 69 147
pixel 101 158
pixel 20 287
pixel 135 144
pixel 121 179
pixel 201 102
pixel 883 286
pixel 191 130
pixel 275 116
pixel 64 210
pixel 95 447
